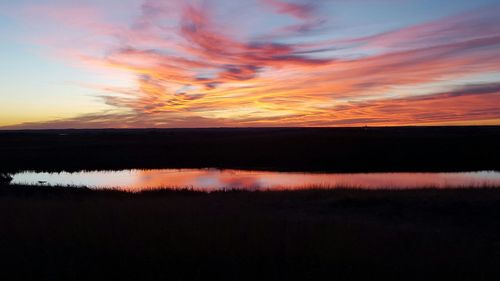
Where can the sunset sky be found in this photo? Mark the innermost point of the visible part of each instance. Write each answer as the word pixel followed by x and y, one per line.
pixel 227 63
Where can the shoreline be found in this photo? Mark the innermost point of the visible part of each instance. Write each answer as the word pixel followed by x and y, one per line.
pixel 393 149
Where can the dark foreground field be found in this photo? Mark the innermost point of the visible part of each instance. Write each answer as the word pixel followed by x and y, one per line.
pixel 301 149
pixel 77 234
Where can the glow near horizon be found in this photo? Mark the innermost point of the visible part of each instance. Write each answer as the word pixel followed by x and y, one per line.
pixel 154 63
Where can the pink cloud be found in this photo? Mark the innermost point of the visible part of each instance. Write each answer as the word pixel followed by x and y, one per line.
pixel 300 11
pixel 191 71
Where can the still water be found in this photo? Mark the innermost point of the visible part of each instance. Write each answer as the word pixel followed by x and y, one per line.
pixel 214 179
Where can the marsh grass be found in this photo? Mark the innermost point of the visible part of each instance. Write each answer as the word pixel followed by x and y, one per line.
pixel 67 233
pixel 285 149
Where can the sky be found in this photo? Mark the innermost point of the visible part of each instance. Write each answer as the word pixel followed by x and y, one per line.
pixel 248 63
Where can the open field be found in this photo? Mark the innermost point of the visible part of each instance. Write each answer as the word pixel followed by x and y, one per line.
pixel 79 234
pixel 301 149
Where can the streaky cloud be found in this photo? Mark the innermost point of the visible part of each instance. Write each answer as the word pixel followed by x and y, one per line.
pixel 193 69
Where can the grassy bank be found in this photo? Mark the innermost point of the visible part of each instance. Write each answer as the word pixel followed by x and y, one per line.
pixel 80 234
pixel 290 149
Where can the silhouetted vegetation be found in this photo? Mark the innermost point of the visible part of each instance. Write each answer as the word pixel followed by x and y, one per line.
pixel 68 233
pixel 300 149
pixel 60 233
pixel 5 178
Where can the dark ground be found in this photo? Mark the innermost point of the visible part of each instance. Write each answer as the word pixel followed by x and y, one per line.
pixel 77 234
pixel 301 149
pixel 50 233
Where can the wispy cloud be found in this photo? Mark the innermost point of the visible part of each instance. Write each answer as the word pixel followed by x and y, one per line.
pixel 193 70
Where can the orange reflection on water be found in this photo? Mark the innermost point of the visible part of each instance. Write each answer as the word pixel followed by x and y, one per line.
pixel 214 179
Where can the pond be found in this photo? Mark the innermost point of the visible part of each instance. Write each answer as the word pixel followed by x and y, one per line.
pixel 215 179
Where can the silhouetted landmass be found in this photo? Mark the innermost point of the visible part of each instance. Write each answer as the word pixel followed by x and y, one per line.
pixel 300 149
pixel 80 234
pixel 63 233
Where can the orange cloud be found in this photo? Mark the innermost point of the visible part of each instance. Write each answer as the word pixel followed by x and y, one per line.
pixel 192 71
